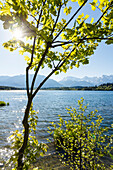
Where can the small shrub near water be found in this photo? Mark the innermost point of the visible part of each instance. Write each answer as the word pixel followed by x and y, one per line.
pixel 2 103
pixel 82 139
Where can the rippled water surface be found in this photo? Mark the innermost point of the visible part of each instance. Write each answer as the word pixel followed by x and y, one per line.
pixel 50 104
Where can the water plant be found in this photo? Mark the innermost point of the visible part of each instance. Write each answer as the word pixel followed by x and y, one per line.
pixel 82 139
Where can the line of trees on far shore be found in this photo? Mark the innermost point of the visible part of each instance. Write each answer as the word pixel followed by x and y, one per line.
pixel 102 87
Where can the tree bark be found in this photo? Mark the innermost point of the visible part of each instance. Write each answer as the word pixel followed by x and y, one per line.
pixel 26 135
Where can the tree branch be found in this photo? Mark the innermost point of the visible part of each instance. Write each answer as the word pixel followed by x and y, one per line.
pixel 53 64
pixel 104 13
pixel 70 20
pixel 56 19
pixel 67 57
pixel 27 68
pixel 33 17
pixel 97 38
pixel 63 43
pixel 35 41
pixel 39 65
pixel 41 84
pixel 85 38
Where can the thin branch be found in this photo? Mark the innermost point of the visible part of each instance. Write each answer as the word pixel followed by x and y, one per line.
pixel 34 78
pixel 67 57
pixel 33 17
pixel 38 22
pixel 64 43
pixel 27 68
pixel 104 13
pixel 59 42
pixel 33 48
pixel 27 81
pixel 97 38
pixel 53 64
pixel 56 19
pixel 39 65
pixel 41 84
pixel 70 20
pixel 85 38
pixel 100 18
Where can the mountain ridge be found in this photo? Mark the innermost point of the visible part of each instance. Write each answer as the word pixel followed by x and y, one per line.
pixel 89 81
pixel 69 81
pixel 19 81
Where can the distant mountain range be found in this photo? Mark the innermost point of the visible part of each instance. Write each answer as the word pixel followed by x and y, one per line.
pixel 86 81
pixel 72 82
pixel 19 81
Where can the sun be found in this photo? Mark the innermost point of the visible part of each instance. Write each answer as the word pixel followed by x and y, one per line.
pixel 17 33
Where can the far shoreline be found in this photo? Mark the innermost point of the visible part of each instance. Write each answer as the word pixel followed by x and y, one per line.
pixel 102 87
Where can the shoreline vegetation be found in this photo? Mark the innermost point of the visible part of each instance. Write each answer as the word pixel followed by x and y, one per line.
pixel 102 87
pixel 2 103
pixel 10 88
pixel 51 160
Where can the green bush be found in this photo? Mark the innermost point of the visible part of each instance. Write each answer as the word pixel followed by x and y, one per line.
pixel 2 103
pixel 8 104
pixel 82 140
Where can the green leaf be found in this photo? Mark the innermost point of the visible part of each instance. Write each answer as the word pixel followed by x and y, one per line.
pixel 108 42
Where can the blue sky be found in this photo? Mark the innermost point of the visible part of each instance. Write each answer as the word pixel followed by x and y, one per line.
pixel 101 63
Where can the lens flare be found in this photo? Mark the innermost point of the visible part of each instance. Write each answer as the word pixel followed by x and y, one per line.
pixel 17 33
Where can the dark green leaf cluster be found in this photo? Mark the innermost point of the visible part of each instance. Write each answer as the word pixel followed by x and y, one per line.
pixel 2 103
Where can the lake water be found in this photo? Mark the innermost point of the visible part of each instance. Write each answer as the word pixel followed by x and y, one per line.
pixel 49 104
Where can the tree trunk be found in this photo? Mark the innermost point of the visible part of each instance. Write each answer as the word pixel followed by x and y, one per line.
pixel 26 135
